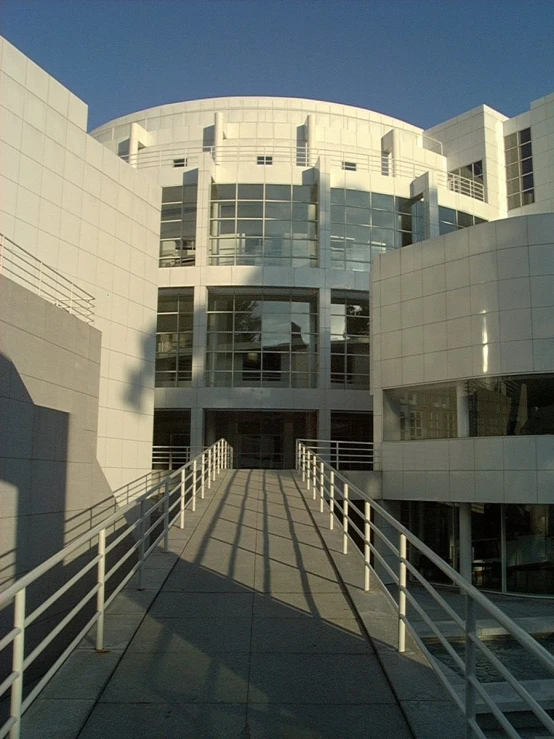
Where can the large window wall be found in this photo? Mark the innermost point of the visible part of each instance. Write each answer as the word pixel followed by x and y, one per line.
pixel 365 224
pixel 266 338
pixel 512 545
pixel 178 226
pixel 516 405
pixel 174 337
pixel 263 225
pixel 349 340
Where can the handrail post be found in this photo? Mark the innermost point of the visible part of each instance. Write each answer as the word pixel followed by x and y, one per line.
pixel 402 595
pixel 182 499
pixel 166 516
pixel 367 550
pixel 100 595
pixel 332 501
pixel 209 468
pixel 18 656
pixel 303 462
pixel 314 477
pixel 202 463
pixel 345 520
pixel 470 665
pixel 142 530
pixel 308 469
pixel 321 487
pixel 194 476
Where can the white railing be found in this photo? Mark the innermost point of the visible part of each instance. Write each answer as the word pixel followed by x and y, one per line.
pixel 137 529
pixel 168 457
pixel 345 455
pixel 349 159
pixel 25 269
pixel 334 491
pixel 463 185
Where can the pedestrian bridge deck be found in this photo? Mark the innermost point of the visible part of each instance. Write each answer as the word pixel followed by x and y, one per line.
pixel 244 630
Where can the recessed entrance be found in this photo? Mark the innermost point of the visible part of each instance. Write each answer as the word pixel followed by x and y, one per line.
pixel 261 439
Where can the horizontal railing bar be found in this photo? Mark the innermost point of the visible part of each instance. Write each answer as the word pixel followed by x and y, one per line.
pixel 55 596
pixel 8 681
pixel 59 627
pixel 58 663
pixel 436 596
pixel 539 712
pixel 121 561
pixel 8 639
pixel 10 723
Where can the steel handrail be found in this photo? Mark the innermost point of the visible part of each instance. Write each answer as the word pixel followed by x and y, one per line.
pixel 190 480
pixel 24 268
pixel 321 480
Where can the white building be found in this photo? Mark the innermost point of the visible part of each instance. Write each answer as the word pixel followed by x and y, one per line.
pixel 276 214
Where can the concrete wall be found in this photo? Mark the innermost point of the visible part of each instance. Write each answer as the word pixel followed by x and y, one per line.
pixel 475 303
pixel 51 486
pixel 80 209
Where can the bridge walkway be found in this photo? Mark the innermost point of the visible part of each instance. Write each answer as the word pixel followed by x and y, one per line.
pixel 244 630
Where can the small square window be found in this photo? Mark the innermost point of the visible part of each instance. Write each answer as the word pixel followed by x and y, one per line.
pixel 182 162
pixel 264 160
pixel 350 166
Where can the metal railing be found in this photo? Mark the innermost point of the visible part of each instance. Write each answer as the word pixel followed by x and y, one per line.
pixel 25 269
pixel 137 529
pixel 345 455
pixel 355 159
pixel 170 457
pixel 334 490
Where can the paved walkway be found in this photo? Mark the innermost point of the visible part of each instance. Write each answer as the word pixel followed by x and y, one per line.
pixel 250 635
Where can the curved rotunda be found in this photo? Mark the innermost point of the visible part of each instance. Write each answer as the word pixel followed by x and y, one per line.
pixel 273 210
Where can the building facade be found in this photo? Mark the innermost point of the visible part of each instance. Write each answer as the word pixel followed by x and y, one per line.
pixel 273 211
pixel 320 271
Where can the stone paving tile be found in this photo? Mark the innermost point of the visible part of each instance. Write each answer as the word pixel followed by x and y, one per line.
pixel 201 605
pixel 55 718
pixel 337 721
pixel 307 635
pixel 317 678
pixel 290 605
pixel 171 677
pixel 166 721
pixel 209 635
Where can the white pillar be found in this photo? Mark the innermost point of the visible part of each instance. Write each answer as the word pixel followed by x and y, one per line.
pixel 466 557
pixel 219 123
pixel 311 139
pixel 134 144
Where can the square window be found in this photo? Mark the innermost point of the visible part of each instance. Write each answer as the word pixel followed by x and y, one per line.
pixel 350 166
pixel 264 160
pixel 182 162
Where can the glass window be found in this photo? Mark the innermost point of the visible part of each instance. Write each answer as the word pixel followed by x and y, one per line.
pixel 349 340
pixel 420 412
pixel 519 169
pixel 264 229
pixel 511 406
pixel 282 324
pixel 178 226
pixel 174 338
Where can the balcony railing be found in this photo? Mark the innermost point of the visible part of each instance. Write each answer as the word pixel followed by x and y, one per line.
pixel 25 269
pixel 352 159
pixel 171 457
pixel 343 455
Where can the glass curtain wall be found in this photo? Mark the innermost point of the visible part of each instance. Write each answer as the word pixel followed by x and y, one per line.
pixel 365 224
pixel 264 225
pixel 174 337
pixel 266 339
pixel 454 220
pixel 349 341
pixel 512 545
pixel 178 226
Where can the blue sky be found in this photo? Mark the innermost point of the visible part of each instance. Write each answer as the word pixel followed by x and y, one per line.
pixel 419 60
